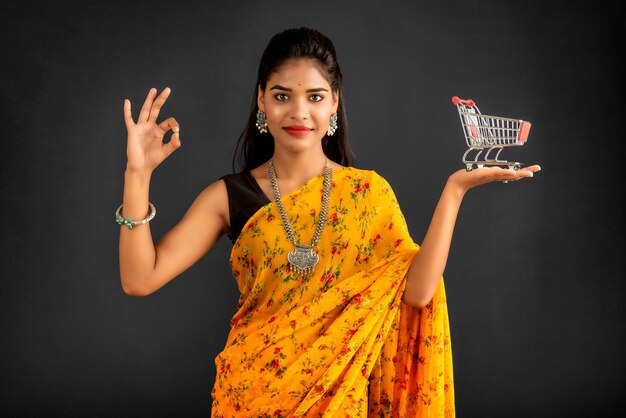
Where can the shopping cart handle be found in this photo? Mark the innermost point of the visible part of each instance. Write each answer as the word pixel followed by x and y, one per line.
pixel 467 102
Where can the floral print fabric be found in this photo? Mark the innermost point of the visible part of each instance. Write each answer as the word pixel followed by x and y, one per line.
pixel 339 343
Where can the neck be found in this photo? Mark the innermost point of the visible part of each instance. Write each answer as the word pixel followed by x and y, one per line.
pixel 299 167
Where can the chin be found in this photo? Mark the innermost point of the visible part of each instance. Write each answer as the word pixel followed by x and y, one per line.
pixel 297 144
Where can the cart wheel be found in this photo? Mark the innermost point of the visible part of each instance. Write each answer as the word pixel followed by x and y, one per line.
pixel 515 167
pixel 468 167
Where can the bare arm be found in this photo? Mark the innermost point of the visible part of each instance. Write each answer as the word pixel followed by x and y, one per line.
pixel 136 246
pixel 430 261
pixel 145 268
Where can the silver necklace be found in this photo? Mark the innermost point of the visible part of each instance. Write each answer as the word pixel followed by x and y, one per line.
pixel 302 260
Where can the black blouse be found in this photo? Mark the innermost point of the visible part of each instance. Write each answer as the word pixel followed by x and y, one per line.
pixel 245 197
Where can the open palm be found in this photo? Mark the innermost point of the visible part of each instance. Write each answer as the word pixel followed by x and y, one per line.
pixel 468 179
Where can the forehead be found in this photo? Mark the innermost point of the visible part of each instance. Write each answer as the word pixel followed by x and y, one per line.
pixel 294 71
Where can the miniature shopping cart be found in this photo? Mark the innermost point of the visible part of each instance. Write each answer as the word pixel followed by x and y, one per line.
pixel 490 133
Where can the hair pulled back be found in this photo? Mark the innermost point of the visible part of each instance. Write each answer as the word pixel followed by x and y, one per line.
pixel 254 148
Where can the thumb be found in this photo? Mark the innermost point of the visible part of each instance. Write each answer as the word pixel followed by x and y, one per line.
pixel 173 145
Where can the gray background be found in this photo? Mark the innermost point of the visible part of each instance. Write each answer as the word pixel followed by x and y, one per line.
pixel 533 282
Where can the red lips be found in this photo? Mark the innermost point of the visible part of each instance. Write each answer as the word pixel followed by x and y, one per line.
pixel 298 130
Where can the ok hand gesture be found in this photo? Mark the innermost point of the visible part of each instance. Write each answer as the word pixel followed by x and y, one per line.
pixel 145 149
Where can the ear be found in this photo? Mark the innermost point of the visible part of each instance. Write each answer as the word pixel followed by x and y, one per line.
pixel 259 100
pixel 335 101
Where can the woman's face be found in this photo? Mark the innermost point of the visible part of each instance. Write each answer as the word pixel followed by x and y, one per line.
pixel 297 95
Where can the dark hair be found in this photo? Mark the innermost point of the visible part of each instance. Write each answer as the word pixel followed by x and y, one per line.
pixel 300 42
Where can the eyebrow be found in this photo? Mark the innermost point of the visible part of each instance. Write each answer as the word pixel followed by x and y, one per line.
pixel 279 87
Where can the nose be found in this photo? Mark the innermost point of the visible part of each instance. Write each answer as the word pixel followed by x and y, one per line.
pixel 300 109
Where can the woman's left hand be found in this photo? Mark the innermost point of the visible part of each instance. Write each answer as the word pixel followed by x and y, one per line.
pixel 465 180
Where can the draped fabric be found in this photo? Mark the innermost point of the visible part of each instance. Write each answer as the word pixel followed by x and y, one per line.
pixel 341 342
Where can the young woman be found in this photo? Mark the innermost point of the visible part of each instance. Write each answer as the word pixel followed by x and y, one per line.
pixel 341 313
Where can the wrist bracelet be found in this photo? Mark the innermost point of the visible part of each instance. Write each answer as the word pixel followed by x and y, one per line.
pixel 129 222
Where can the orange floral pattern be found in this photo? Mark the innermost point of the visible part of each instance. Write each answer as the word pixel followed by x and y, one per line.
pixel 339 343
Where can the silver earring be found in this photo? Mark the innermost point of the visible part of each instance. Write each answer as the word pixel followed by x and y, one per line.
pixel 261 123
pixel 332 127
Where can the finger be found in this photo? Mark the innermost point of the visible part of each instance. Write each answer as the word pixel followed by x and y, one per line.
pixel 173 145
pixel 128 116
pixel 533 168
pixel 528 171
pixel 169 123
pixel 520 174
pixel 147 104
pixel 158 104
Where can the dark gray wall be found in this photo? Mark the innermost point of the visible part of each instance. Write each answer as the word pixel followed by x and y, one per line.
pixel 533 279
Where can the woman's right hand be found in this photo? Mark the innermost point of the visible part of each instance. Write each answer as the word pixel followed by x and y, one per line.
pixel 145 149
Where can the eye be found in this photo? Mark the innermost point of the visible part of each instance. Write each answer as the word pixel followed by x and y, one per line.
pixel 320 98
pixel 277 96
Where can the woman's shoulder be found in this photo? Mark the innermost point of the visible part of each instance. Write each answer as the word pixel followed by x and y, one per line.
pixel 351 170
pixel 232 175
pixel 363 173
pixel 368 182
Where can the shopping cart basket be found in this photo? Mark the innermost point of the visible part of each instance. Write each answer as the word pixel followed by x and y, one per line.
pixel 485 132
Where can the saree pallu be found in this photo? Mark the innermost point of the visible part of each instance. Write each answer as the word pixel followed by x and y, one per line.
pixel 340 342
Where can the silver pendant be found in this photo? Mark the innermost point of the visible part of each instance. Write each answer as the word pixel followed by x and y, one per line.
pixel 303 260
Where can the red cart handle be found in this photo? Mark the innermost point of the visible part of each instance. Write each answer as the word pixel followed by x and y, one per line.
pixel 467 102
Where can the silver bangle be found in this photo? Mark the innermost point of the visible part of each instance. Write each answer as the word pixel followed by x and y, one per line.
pixel 129 222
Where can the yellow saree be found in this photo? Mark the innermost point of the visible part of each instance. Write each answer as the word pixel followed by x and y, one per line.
pixel 339 343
